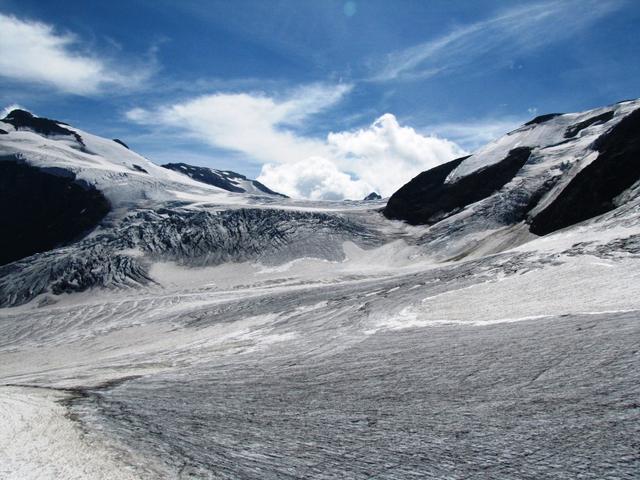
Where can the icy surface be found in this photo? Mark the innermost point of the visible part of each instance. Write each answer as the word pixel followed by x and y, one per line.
pixel 522 365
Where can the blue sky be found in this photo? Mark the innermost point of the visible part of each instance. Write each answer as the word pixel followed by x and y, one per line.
pixel 322 99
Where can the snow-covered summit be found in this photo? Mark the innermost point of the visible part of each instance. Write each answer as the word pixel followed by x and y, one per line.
pixel 225 179
pixel 575 131
pixel 123 176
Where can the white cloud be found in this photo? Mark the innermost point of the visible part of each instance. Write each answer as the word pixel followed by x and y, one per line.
pixel 252 123
pixel 316 178
pixel 380 157
pixel 34 52
pixel 514 31
pixel 386 155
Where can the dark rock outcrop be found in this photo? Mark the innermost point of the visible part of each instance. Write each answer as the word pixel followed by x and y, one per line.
pixel 543 118
pixel 23 120
pixel 207 175
pixel 372 196
pixel 117 140
pixel 573 130
pixel 43 208
pixel 427 199
pixel 414 201
pixel 592 192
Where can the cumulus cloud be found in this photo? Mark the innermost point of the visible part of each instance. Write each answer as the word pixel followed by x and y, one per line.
pixel 349 164
pixel 386 155
pixel 315 178
pixel 34 52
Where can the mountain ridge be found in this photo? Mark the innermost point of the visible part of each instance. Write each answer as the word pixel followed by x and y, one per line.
pixel 558 151
pixel 492 201
pixel 225 179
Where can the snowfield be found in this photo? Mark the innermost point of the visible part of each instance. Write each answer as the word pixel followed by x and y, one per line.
pixel 199 333
pixel 458 372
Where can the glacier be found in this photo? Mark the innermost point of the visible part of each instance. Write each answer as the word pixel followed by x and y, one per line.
pixel 196 332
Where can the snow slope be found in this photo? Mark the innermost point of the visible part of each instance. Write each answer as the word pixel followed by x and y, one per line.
pixel 545 132
pixel 125 177
pixel 527 182
pixel 225 179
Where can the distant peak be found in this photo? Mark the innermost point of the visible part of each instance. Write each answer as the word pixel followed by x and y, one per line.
pixel 19 114
pixel 225 179
pixel 373 196
pixel 21 120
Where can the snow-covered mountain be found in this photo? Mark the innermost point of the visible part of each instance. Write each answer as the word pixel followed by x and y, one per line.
pixel 58 183
pixel 124 177
pixel 373 196
pixel 484 324
pixel 553 172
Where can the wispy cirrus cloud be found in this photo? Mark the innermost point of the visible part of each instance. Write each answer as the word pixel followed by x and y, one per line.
pixel 511 32
pixel 473 134
pixel 33 52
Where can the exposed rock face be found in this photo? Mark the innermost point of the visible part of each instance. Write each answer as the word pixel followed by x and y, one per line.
pixel 117 140
pixel 542 118
pixel 573 130
pixel 412 201
pixel 206 175
pixel 428 198
pixel 23 120
pixel 594 189
pixel 43 208
pixel 225 179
